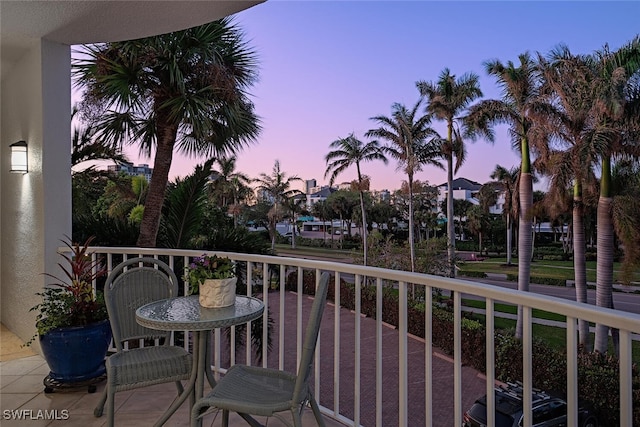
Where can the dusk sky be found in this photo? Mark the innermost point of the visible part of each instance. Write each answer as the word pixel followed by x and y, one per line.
pixel 327 67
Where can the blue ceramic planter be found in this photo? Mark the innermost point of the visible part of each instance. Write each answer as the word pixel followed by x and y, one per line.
pixel 77 353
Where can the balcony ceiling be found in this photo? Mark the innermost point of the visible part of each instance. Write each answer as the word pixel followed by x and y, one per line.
pixel 90 21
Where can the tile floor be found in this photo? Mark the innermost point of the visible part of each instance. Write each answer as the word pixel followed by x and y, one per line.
pixel 21 390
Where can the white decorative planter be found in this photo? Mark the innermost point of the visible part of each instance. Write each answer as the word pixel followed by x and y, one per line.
pixel 216 293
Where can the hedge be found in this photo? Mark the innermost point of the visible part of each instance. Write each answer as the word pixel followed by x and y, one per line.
pixel 552 281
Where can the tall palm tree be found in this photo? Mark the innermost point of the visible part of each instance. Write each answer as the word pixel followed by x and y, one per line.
pixel 227 182
pixel 277 187
pixel 351 151
pixel 184 91
pixel 229 188
pixel 413 143
pixel 572 119
pixel 625 181
pixel 508 180
pixel 448 98
pixel 520 98
pixel 294 206
pixel 619 99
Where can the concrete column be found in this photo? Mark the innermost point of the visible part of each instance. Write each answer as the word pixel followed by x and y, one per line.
pixel 35 207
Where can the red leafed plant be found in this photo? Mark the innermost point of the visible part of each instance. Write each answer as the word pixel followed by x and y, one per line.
pixel 71 301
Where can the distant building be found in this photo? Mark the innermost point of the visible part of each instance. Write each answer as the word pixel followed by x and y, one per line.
pixel 466 189
pixel 131 170
pixel 322 193
pixel 309 185
pixel 381 196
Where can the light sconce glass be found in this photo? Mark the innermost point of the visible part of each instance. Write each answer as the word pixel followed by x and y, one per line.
pixel 19 157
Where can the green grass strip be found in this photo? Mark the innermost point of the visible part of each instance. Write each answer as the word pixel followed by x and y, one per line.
pixel 512 309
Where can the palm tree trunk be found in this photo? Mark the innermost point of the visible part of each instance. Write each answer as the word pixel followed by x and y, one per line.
pixel 509 233
pixel 579 262
pixel 604 269
pixel 364 228
pixel 411 246
pixel 524 241
pixel 158 185
pixel 451 232
pixel 293 233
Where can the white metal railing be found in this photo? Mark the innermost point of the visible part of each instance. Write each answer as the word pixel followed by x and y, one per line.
pixel 627 323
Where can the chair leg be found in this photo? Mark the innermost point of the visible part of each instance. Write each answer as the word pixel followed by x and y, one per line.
pixel 316 411
pixel 179 387
pixel 111 400
pixel 297 417
pixel 97 412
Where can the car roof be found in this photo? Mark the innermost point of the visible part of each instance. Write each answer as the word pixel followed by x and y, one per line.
pixel 509 398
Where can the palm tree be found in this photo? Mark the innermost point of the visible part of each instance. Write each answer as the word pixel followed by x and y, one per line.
pixel 448 98
pixel 185 207
pixel 229 187
pixel 572 119
pixel 508 180
pixel 184 91
pixel 477 222
pixel 351 151
pixel 227 183
pixel 413 143
pixel 294 206
pixel 520 87
pixel 84 148
pixel 625 182
pixel 277 187
pixel 619 99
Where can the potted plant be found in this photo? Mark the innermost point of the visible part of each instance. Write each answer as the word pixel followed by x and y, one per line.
pixel 72 323
pixel 214 279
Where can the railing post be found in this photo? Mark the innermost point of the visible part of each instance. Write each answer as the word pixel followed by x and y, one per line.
pixel 379 352
pixel 403 371
pixel 428 355
pixel 626 377
pixel 491 361
pixel 572 372
pixel 527 366
pixel 457 358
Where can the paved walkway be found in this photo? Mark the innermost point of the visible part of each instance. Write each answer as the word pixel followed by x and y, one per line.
pixel 474 384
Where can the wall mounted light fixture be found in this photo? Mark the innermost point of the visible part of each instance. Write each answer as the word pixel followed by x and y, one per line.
pixel 19 157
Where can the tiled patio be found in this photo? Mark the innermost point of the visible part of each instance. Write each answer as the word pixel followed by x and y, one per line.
pixel 21 382
pixel 21 389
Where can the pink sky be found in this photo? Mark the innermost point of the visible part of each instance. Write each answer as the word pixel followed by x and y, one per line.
pixel 327 67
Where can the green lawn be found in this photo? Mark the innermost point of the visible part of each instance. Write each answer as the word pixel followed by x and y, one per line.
pixel 555 269
pixel 512 309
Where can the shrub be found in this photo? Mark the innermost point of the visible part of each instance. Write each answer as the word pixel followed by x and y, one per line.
pixel 480 274
pixel 552 281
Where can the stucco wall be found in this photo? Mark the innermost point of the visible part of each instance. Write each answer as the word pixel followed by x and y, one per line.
pixel 36 207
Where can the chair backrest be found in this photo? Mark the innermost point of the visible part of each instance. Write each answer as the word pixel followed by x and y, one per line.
pixel 131 284
pixel 311 338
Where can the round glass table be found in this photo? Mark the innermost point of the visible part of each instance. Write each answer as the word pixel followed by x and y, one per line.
pixel 186 314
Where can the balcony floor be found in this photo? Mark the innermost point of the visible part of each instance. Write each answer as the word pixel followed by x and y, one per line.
pixel 21 381
pixel 21 388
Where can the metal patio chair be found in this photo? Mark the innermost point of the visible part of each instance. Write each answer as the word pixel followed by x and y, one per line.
pixel 250 390
pixel 131 284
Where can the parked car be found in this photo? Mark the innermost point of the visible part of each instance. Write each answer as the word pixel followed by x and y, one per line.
pixel 548 410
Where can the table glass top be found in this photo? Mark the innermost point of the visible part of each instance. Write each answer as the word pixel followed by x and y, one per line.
pixel 187 313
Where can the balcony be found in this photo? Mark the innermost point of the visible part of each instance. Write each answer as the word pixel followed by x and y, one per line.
pixel 366 372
